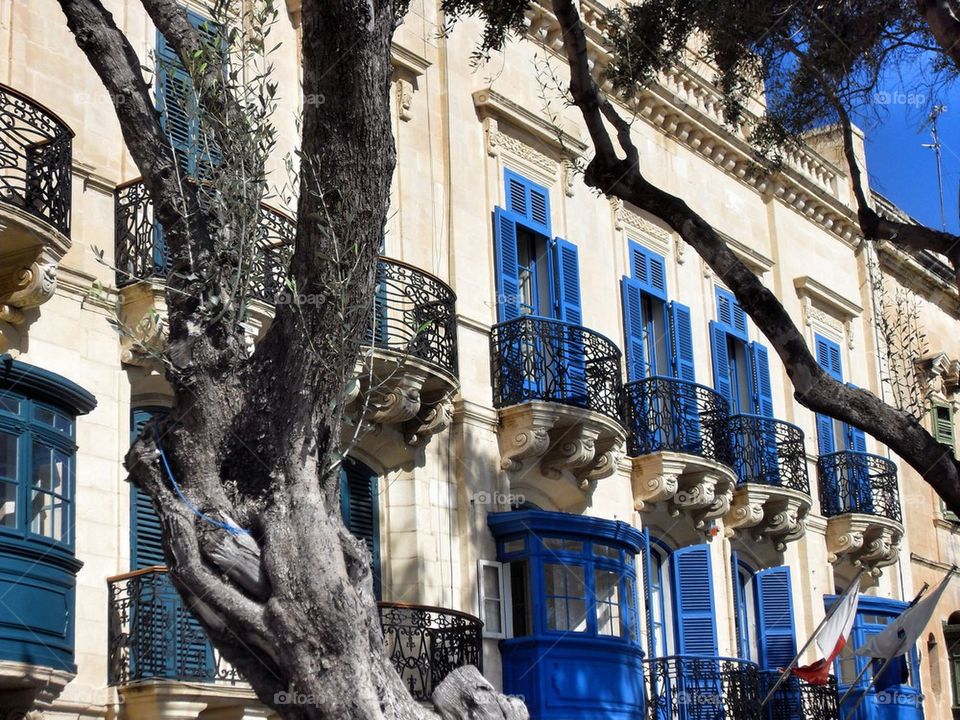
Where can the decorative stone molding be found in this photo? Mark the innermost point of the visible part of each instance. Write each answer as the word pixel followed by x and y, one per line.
pixel 26 691
pixel 30 255
pixel 633 223
pixel 826 306
pixel 558 135
pixel 768 513
pixel 700 488
pixel 868 541
pixel 408 66
pixel 939 375
pixel 396 405
pixel 689 109
pixel 554 455
pixel 499 143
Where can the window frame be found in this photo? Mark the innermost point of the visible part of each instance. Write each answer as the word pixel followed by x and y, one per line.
pixel 30 433
pixel 505 599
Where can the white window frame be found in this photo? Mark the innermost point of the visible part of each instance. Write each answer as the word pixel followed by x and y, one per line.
pixel 503 583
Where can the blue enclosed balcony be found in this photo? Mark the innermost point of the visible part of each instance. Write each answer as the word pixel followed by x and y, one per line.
pixel 38 493
pixel 36 167
pixel 860 497
pixel 154 637
pixel 558 390
pixel 772 498
pixel 678 438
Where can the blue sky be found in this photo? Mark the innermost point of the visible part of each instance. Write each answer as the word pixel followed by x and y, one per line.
pixel 899 166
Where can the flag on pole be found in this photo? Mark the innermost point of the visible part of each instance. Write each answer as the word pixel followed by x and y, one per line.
pixel 902 634
pixel 832 637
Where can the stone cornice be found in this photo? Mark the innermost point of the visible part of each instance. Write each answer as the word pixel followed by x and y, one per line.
pixel 688 109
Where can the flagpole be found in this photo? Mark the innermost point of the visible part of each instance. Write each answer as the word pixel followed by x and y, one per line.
pixel 793 663
pixel 873 680
pixel 868 664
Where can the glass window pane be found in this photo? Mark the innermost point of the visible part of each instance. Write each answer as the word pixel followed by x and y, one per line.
pixel 553 579
pixel 42 520
pixel 557 614
pixel 607 585
pixel 491 616
pixel 491 582
pixel 513 546
pixel 606 551
pixel 10 404
pixel 8 456
pixel 563 544
pixel 577 610
pixel 44 415
pixel 42 467
pixel 8 505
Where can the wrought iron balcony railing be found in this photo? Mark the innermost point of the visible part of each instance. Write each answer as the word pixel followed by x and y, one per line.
pixel 426 643
pixel 853 482
pixel 797 699
pixel 702 688
pixel 153 636
pixel 142 254
pixel 36 156
pixel 768 451
pixel 674 415
pixel 536 358
pixel 415 314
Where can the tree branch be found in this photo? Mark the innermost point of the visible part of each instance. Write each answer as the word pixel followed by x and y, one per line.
pixel 813 388
pixel 941 18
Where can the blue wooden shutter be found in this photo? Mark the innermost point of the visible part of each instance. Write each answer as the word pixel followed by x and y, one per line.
pixel 507 266
pixel 647 560
pixel 775 634
pixel 721 361
pixel 360 507
pixel 146 544
pixel 694 616
pixel 529 201
pixel 632 298
pixel 176 104
pixel 730 313
pixel 681 342
pixel 760 372
pixel 566 264
pixel 829 361
pixel 649 269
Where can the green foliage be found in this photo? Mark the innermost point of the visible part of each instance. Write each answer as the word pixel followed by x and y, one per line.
pixel 802 58
pixel 500 17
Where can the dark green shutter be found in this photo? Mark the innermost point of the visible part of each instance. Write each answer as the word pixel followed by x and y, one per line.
pixel 146 545
pixel 360 506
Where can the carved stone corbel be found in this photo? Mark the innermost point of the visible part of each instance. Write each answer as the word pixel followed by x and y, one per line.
pixel 431 420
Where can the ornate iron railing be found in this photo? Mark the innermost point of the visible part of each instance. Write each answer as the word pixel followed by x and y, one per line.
pixel 668 414
pixel 702 688
pixel 797 699
pixel 535 358
pixel 853 482
pixel 36 156
pixel 153 636
pixel 426 643
pixel 416 314
pixel 768 451
pixel 142 253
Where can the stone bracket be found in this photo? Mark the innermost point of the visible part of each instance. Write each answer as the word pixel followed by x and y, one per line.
pixel 556 454
pixel 688 484
pixel 768 512
pixel 867 541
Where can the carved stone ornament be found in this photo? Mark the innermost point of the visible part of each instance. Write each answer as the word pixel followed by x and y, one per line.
pixel 867 541
pixel 554 455
pixel 768 513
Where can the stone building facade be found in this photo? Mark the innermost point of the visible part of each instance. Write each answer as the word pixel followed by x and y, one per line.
pixel 586 445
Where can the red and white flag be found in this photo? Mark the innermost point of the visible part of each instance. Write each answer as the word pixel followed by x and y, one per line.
pixel 832 637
